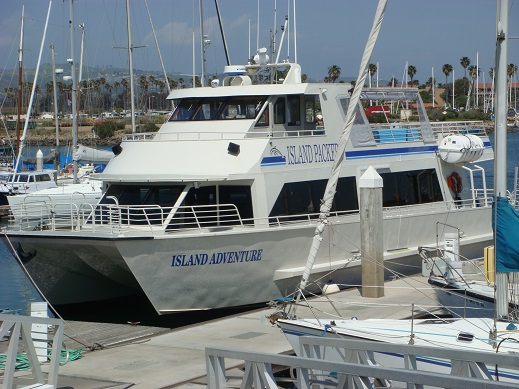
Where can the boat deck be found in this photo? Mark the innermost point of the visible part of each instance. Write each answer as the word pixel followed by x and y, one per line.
pixel 149 357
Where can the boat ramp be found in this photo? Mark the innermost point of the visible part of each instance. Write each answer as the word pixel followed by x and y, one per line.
pixel 130 355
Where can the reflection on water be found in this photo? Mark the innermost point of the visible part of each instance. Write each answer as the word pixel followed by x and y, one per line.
pixel 16 291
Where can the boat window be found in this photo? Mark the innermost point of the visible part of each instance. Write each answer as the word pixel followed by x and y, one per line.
pixel 301 198
pixel 294 110
pixel 42 178
pixel 208 109
pixel 164 196
pixel 200 208
pixel 185 109
pixel 22 178
pixel 146 197
pixel 312 109
pixel 359 119
pixel 212 108
pixel 410 187
pixel 263 121
pixel 243 107
pixel 279 111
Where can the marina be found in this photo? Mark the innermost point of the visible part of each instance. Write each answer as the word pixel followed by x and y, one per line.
pixel 272 233
pixel 176 358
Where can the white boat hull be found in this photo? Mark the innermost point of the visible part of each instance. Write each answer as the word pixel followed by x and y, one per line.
pixel 426 332
pixel 221 268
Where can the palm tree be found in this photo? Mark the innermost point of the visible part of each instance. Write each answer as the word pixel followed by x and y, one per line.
pixel 372 68
pixel 511 70
pixel 393 81
pixel 474 72
pixel 411 71
pixel 447 70
pixel 334 72
pixel 465 62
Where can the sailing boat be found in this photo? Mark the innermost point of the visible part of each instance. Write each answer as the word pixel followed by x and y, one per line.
pixel 476 334
pixel 37 207
pixel 19 183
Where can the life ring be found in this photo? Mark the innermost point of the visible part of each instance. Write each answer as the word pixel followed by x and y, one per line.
pixel 454 182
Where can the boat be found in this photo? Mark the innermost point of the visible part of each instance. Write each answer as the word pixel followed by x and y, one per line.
pixel 465 287
pixel 73 189
pixel 218 208
pixel 497 334
pixel 15 184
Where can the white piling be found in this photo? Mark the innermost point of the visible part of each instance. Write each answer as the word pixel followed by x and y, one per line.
pixel 371 234
pixel 39 160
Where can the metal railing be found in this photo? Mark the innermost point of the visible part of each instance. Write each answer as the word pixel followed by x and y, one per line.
pixel 18 328
pixel 442 129
pixel 383 133
pixel 117 219
pixel 354 372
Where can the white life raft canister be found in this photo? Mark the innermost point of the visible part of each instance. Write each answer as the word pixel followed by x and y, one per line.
pixel 461 148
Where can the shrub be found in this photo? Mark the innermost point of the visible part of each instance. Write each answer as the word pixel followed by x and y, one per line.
pixel 104 129
pixel 147 127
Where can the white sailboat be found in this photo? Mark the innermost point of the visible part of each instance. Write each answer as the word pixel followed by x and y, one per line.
pixel 481 334
pixel 35 208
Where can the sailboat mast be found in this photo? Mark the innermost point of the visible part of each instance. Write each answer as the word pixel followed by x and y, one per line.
pixel 130 60
pixel 158 48
pixel 74 88
pixel 34 84
pixel 500 139
pixel 223 33
pixel 56 119
pixel 80 77
pixel 341 149
pixel 20 66
pixel 202 42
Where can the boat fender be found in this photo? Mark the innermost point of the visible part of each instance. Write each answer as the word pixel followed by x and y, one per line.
pixel 454 182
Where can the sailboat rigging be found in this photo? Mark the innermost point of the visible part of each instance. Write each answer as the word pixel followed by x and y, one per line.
pixel 331 186
pixel 489 335
pixel 29 108
pixel 20 66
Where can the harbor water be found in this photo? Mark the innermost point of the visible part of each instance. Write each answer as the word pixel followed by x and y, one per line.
pixel 17 292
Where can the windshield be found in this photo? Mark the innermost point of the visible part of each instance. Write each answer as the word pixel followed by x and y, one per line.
pixel 218 108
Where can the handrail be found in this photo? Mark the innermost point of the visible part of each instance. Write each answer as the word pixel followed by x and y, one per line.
pixel 318 371
pixel 20 328
pixel 444 128
pixel 156 219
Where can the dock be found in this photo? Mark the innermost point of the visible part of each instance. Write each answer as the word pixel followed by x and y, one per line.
pixel 123 356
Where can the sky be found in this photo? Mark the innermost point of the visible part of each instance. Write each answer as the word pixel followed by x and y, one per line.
pixel 423 33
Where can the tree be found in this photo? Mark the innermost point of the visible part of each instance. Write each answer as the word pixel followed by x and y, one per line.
pixel 447 70
pixel 304 77
pixel 334 72
pixel 411 71
pixel 393 81
pixel 465 62
pixel 372 68
pixel 474 72
pixel 491 73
